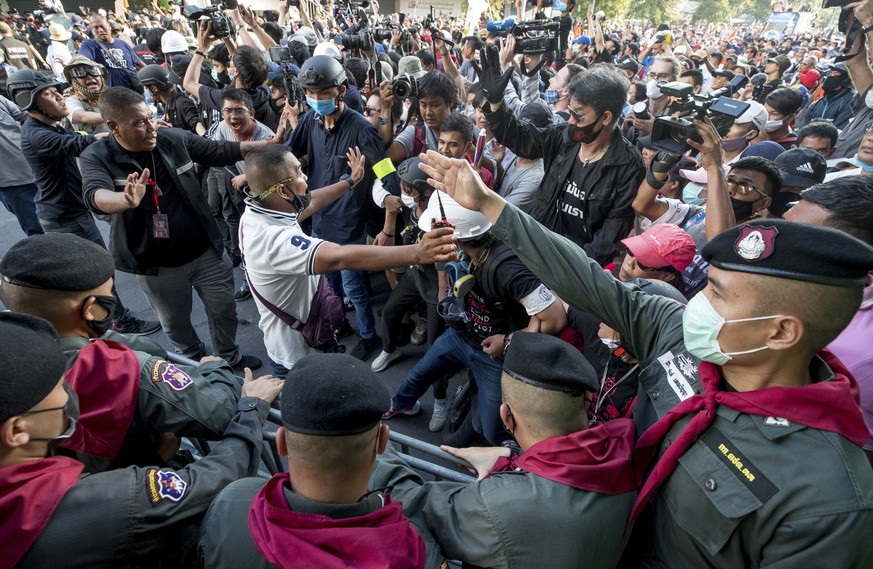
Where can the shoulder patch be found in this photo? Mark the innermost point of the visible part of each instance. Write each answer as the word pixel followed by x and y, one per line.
pixel 165 372
pixel 677 382
pixel 164 485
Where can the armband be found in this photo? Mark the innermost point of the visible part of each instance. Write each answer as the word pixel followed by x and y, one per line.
pixel 383 168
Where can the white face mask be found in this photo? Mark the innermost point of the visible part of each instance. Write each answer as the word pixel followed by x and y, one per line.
pixel 408 200
pixel 653 89
pixel 773 126
pixel 611 344
pixel 868 99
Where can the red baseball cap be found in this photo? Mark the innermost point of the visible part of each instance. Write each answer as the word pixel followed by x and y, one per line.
pixel 662 245
pixel 809 78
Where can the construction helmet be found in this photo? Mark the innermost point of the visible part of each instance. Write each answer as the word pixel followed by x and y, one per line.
pixel 468 224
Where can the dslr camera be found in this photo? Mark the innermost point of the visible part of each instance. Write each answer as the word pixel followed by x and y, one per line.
pixel 671 133
pixel 288 82
pixel 222 26
pixel 404 87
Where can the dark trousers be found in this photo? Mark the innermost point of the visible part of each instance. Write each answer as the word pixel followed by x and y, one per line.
pixel 18 201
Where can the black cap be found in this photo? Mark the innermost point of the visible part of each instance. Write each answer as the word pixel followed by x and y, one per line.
pixel 410 173
pixel 629 64
pixel 724 73
pixel 796 251
pixel 57 261
pixel 536 113
pixel 803 167
pixel 567 370
pixel 332 395
pixel 31 360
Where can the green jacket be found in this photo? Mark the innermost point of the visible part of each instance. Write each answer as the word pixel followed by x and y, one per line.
pixel 810 503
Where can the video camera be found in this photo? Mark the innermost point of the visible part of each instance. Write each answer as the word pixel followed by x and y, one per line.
pixel 222 26
pixel 429 24
pixel 294 92
pixel 670 134
pixel 545 40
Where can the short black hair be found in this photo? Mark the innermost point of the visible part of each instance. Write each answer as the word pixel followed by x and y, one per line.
pixel 153 39
pixel 849 200
pixel 238 95
pixel 601 88
pixel 573 70
pixel 638 91
pixel 819 129
pixel 426 58
pixel 457 122
pixel 785 101
pixel 696 76
pixel 219 53
pixel 767 167
pixel 719 56
pixel 357 71
pixel 115 102
pixel 273 30
pixel 475 42
pixel 437 84
pixel 251 66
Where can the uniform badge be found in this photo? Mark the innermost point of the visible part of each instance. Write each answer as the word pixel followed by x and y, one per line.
pixel 163 485
pixel 756 243
pixel 165 372
pixel 777 422
pixel 686 366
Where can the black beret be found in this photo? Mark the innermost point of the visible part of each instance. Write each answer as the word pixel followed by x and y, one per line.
pixel 31 361
pixel 549 363
pixel 57 261
pixel 333 395
pixel 796 251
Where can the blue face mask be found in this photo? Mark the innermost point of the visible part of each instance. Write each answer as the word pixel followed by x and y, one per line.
pixel 691 194
pixel 863 165
pixel 551 96
pixel 322 108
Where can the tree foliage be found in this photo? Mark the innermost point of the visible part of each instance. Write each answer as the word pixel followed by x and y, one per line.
pixel 712 11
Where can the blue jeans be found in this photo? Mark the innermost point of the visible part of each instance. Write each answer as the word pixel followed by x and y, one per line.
pixel 450 353
pixel 355 288
pixel 18 200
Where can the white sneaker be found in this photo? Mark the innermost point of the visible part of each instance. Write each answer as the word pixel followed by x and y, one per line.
pixel 383 359
pixel 438 419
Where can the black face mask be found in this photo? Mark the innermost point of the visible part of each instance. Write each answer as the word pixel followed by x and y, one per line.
pixel 742 210
pixel 832 84
pixel 300 202
pixel 780 202
pixel 585 134
pixel 71 412
pixel 99 327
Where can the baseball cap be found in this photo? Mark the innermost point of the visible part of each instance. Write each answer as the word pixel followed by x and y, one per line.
pixel 755 114
pixel 309 34
pixel 680 50
pixel 803 167
pixel 726 73
pixel 327 48
pixel 583 39
pixel 662 245
pixel 767 149
pixel 537 113
pixel 841 67
pixel 628 64
pixel 698 176
pixel 782 61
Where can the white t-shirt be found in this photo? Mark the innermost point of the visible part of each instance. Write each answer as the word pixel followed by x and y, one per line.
pixel 280 260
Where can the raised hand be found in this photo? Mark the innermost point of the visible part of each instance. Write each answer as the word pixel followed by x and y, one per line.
pixel 356 164
pixel 492 79
pixel 455 177
pixel 135 188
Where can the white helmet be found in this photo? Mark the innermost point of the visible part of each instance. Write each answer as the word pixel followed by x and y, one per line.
pixel 327 48
pixel 467 223
pixel 173 42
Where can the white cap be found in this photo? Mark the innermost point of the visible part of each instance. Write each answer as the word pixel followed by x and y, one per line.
pixel 327 48
pixel 467 223
pixel 680 50
pixel 309 34
pixel 755 114
pixel 173 42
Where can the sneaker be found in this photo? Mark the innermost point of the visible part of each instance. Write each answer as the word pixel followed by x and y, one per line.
pixel 365 347
pixel 419 335
pixel 348 305
pixel 250 362
pixel 345 330
pixel 243 292
pixel 394 410
pixel 133 326
pixel 384 359
pixel 438 419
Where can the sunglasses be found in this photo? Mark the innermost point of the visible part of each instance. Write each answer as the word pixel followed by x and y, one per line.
pixel 83 71
pixel 369 111
pixel 743 188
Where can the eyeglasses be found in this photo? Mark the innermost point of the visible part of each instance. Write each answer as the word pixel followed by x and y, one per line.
pixel 369 111
pixel 82 71
pixel 660 76
pixel 236 111
pixel 743 188
pixel 272 189
pixel 868 130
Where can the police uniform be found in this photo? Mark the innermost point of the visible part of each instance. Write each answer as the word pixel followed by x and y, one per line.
pixel 752 490
pixel 264 523
pixel 545 508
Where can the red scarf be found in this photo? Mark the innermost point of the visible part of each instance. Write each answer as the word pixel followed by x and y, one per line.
pixel 382 539
pixel 597 459
pixel 29 494
pixel 106 378
pixel 828 406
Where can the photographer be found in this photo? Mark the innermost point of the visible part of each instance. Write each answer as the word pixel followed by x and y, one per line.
pixel 179 110
pixel 592 172
pixel 663 70
pixel 436 97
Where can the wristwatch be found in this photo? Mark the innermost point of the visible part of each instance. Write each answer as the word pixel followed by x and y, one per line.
pixel 347 178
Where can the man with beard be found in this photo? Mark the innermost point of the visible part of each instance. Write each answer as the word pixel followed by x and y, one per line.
pixel 87 80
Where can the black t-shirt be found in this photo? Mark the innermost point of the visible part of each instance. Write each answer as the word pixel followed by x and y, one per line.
pixel 182 112
pixel 572 202
pixel 187 240
pixel 488 316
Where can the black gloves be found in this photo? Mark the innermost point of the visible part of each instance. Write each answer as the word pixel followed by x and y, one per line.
pixel 490 78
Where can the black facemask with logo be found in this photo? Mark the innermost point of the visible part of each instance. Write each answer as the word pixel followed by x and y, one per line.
pixel 585 134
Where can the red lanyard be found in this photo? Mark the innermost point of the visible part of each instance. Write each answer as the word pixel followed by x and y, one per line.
pixel 251 134
pixel 154 188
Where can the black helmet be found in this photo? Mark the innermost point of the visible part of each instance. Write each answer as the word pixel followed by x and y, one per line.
pixel 322 71
pixel 24 85
pixel 155 75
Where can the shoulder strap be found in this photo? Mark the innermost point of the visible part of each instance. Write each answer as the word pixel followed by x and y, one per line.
pixel 280 314
pixel 420 142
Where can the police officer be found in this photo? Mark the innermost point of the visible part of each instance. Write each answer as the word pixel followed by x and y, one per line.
pixel 769 468
pixel 321 512
pixel 570 480
pixel 136 516
pixel 128 398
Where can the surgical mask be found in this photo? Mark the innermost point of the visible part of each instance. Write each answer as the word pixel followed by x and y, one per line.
pixel 471 113
pixel 301 202
pixel 653 90
pixel 863 165
pixel 701 325
pixel 733 144
pixel 99 327
pixel 691 194
pixel 742 210
pixel 408 200
pixel 71 412
pixel 611 344
pixel 551 96
pixel 868 99
pixel 322 107
pixel 773 126
pixel 585 134
pixel 229 76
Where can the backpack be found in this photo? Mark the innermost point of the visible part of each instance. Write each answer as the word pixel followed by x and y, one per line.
pixel 419 145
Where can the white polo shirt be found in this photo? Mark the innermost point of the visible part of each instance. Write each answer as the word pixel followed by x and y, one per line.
pixel 280 260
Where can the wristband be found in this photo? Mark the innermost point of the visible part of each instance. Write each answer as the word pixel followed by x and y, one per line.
pixel 867 30
pixel 200 53
pixel 387 234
